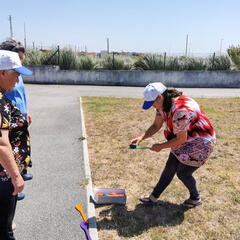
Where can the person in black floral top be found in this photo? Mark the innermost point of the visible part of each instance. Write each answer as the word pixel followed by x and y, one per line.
pixel 18 97
pixel 14 144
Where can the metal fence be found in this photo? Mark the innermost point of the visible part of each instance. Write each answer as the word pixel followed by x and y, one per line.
pixel 167 53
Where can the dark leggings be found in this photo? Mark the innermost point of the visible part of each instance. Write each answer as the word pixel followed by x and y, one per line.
pixel 184 173
pixel 7 210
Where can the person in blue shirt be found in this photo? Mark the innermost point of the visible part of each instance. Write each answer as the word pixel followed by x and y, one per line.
pixel 18 96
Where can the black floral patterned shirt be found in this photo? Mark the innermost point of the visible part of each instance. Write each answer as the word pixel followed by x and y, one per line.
pixel 14 121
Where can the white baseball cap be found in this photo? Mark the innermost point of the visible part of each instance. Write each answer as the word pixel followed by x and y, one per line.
pixel 151 92
pixel 10 60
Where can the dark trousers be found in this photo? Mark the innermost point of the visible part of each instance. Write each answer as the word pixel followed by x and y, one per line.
pixel 7 210
pixel 184 173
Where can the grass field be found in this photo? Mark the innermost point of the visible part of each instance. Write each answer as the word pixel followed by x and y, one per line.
pixel 111 123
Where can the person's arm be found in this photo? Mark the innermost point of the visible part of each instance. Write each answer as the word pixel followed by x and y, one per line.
pixel 181 121
pixel 8 162
pixel 154 128
pixel 29 118
pixel 180 138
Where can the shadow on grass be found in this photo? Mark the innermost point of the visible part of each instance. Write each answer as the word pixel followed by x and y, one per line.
pixel 133 223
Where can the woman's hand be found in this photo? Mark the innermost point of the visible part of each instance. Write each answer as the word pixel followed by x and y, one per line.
pixel 156 147
pixel 29 119
pixel 18 184
pixel 136 140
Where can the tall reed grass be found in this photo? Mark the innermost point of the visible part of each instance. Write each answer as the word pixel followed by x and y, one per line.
pixel 69 59
pixel 234 53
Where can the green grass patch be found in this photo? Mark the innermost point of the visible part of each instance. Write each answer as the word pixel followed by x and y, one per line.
pixel 111 123
pixel 210 110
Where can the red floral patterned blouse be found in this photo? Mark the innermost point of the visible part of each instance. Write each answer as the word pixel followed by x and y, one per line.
pixel 187 115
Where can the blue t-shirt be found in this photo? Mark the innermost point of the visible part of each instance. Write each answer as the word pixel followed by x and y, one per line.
pixel 18 97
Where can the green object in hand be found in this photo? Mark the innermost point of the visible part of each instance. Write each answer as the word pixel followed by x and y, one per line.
pixel 134 146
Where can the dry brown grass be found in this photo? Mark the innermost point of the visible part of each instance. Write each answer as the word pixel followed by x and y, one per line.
pixel 111 123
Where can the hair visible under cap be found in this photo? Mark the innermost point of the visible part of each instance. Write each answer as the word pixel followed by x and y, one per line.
pixel 12 45
pixel 168 95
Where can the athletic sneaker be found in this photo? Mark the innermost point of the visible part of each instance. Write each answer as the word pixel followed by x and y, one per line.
pixel 20 196
pixel 27 177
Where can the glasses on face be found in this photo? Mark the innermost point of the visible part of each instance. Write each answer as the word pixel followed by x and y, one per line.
pixel 10 72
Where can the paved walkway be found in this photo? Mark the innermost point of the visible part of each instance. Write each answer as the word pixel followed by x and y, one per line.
pixel 131 92
pixel 58 167
pixel 48 211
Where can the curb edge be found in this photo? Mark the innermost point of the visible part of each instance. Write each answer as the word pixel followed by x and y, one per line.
pixel 90 206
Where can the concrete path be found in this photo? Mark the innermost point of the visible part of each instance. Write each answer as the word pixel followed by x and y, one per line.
pixel 48 211
pixel 58 166
pixel 131 92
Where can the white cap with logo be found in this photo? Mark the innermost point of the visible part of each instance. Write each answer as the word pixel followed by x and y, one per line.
pixel 151 92
pixel 10 60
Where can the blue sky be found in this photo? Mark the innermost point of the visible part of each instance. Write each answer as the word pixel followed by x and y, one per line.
pixel 131 25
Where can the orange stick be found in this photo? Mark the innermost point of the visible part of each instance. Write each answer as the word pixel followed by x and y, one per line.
pixel 79 208
pixel 99 194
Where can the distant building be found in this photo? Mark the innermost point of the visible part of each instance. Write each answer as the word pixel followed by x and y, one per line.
pixel 88 53
pixel 103 54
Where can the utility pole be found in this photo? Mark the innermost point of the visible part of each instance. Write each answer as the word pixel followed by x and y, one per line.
pixel 113 66
pixel 25 40
pixel 11 30
pixel 108 45
pixel 186 46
